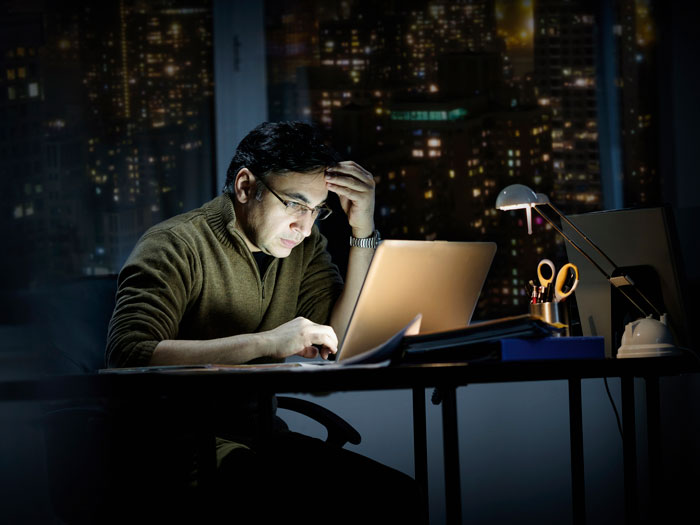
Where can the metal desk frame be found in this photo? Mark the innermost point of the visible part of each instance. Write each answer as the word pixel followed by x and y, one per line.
pixel 200 386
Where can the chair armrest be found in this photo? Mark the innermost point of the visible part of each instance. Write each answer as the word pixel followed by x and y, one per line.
pixel 339 430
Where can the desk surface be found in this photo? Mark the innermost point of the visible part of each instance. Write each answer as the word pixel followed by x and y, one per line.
pixel 203 384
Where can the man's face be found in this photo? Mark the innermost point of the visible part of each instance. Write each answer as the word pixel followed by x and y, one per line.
pixel 266 223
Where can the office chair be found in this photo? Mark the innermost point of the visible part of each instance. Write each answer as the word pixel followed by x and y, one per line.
pixel 86 439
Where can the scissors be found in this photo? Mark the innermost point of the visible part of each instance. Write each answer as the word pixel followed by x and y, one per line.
pixel 566 280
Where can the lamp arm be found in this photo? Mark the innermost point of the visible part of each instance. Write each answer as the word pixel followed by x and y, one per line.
pixel 578 248
pixel 626 280
pixel 594 245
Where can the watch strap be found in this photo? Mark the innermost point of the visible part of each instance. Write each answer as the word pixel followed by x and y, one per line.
pixel 366 242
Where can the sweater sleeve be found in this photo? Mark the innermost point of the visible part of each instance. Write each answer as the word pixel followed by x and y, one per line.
pixel 153 292
pixel 321 283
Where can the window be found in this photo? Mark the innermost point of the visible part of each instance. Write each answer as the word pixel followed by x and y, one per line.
pixel 547 63
pixel 138 99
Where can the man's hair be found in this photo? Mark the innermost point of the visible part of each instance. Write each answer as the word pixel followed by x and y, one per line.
pixel 280 147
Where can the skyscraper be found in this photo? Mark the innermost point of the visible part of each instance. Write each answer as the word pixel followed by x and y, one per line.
pixel 636 37
pixel 564 59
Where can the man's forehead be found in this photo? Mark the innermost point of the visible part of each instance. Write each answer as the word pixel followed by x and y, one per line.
pixel 308 187
pixel 299 174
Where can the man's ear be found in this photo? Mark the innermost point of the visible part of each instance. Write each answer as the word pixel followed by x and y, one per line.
pixel 244 185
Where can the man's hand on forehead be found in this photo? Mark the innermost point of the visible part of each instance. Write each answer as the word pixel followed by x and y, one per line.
pixel 355 188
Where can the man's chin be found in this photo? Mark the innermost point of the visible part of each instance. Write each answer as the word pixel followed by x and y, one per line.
pixel 278 252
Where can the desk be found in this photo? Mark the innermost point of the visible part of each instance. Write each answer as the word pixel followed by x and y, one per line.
pixel 203 386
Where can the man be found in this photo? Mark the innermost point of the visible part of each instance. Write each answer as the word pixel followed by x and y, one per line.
pixel 175 303
pixel 247 278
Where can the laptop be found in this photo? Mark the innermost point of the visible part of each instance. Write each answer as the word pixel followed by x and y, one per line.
pixel 433 285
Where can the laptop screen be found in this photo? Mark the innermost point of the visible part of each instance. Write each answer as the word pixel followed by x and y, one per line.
pixel 437 279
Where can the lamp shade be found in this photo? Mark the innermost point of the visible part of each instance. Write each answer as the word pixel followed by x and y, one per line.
pixel 517 196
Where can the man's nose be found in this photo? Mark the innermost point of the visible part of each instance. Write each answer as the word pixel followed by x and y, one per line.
pixel 303 223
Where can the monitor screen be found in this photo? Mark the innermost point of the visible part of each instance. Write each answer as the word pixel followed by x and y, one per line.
pixel 643 244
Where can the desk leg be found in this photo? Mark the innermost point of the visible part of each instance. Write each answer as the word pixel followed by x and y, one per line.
pixel 654 444
pixel 453 492
pixel 420 442
pixel 629 449
pixel 578 484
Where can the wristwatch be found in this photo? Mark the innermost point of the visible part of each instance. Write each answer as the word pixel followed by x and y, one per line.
pixel 366 242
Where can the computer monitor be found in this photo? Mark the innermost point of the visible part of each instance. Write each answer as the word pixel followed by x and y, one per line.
pixel 643 243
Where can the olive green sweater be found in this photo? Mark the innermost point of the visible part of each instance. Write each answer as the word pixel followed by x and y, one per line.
pixel 193 277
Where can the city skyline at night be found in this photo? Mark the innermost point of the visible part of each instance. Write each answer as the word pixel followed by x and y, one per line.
pixel 458 114
pixel 118 111
pixel 445 102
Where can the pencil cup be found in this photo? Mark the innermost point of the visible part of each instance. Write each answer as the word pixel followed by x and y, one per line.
pixel 552 313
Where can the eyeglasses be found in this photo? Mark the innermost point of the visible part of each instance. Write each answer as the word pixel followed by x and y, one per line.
pixel 297 209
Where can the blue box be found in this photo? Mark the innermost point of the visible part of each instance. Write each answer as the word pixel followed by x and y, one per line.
pixel 552 348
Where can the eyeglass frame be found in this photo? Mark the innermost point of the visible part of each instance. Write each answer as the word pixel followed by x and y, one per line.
pixel 290 206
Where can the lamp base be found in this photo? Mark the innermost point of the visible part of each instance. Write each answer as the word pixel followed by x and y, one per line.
pixel 647 338
pixel 631 351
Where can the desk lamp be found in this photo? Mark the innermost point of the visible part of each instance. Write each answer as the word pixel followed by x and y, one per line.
pixel 642 338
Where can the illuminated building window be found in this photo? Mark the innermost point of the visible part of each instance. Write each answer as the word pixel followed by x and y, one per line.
pixel 11 93
pixel 434 143
pixel 452 174
pixel 18 212
pixel 417 153
pixel 436 115
pixel 11 74
pixel 33 89
pixel 428 194
pixel 476 192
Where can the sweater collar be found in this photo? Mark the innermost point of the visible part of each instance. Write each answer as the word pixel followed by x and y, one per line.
pixel 222 219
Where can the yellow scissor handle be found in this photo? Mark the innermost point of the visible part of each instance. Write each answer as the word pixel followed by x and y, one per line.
pixel 545 280
pixel 561 279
